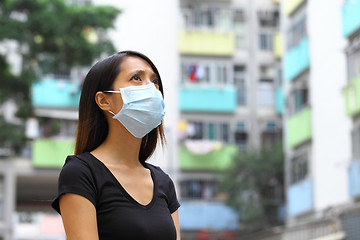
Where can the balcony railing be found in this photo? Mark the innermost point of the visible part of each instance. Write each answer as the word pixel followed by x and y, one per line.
pixel 297 59
pixel 206 42
pixel 298 128
pixel 352 97
pixel 300 197
pixel 51 93
pixel 207 215
pixel 199 98
pixel 219 158
pixel 350 17
pixel 51 153
pixel 278 43
pixel 354 179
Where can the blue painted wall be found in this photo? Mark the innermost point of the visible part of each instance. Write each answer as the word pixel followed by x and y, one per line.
pixel 354 179
pixel 207 215
pixel 300 197
pixel 207 99
pixel 297 60
pixel 56 94
pixel 350 17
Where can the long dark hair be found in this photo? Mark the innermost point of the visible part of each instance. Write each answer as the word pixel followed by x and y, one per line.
pixel 92 125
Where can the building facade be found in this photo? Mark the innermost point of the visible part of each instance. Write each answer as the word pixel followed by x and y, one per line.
pixel 320 169
pixel 230 100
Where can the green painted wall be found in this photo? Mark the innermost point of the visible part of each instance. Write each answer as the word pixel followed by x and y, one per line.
pixel 298 128
pixel 51 153
pixel 352 97
pixel 204 42
pixel 219 159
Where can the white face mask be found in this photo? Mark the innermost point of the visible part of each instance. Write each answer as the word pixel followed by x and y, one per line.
pixel 143 109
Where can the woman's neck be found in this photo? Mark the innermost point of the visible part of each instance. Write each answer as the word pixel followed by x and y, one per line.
pixel 119 147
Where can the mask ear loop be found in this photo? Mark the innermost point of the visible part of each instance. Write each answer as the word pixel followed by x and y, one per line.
pixel 112 113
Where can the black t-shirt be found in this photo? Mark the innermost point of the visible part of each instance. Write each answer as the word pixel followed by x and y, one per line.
pixel 119 216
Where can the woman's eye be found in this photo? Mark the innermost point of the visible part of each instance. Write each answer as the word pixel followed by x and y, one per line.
pixel 155 81
pixel 136 78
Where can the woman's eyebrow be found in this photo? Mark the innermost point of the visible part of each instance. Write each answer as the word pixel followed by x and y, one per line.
pixel 140 72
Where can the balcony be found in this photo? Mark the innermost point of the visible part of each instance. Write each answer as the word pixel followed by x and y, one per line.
pixel 352 97
pixel 214 158
pixel 206 42
pixel 207 215
pixel 51 153
pixel 218 99
pixel 297 60
pixel 51 93
pixel 300 198
pixel 289 6
pixel 350 17
pixel 278 43
pixel 354 179
pixel 298 128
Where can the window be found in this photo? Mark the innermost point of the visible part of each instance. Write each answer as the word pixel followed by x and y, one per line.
pixel 240 82
pixel 270 138
pixel 196 130
pixel 224 132
pixel 296 32
pixel 353 65
pixel 301 97
pixel 241 136
pixel 239 29
pixel 266 93
pixel 355 142
pixel 298 100
pixel 198 189
pixel 206 73
pixel 208 131
pixel 268 18
pixel 211 131
pixel 266 41
pixel 211 17
pixel 299 168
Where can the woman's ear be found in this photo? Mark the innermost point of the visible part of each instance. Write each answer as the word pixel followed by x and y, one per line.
pixel 102 100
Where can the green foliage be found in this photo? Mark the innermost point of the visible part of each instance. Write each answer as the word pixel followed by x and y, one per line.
pixel 52 36
pixel 12 135
pixel 254 186
pixel 55 36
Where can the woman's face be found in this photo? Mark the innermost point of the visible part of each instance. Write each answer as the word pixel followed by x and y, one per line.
pixel 134 71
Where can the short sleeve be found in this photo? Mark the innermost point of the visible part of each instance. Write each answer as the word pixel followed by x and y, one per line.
pixel 173 203
pixel 75 177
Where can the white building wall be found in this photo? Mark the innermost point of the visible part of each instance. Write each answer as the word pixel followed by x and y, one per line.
pixel 151 27
pixel 330 125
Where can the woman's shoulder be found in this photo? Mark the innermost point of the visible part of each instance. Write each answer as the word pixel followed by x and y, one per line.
pixel 158 172
pixel 81 161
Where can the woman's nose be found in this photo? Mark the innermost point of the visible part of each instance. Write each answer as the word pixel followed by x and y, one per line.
pixel 147 81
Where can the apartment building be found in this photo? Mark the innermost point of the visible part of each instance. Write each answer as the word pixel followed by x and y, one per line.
pixel 320 174
pixel 230 100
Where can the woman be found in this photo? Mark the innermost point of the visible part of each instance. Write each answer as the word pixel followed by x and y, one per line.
pixel 107 190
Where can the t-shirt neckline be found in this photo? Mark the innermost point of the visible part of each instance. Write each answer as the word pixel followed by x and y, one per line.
pixel 122 189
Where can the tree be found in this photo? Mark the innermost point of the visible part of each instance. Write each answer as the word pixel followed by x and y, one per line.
pixel 254 187
pixel 52 36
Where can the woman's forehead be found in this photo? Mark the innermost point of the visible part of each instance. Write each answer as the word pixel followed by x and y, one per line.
pixel 131 63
